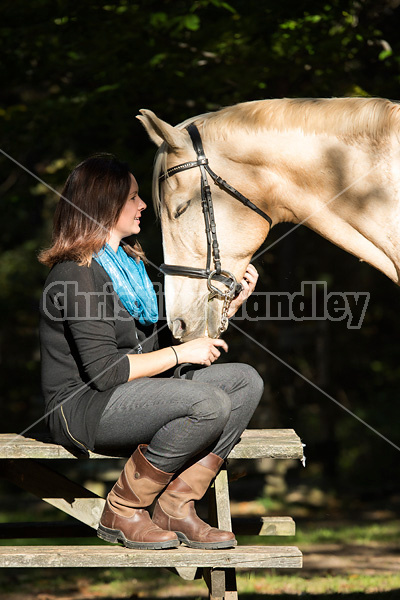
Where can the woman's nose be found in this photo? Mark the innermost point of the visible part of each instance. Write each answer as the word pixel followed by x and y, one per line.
pixel 142 204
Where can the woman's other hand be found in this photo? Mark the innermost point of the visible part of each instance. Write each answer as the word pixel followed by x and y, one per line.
pixel 201 351
pixel 248 284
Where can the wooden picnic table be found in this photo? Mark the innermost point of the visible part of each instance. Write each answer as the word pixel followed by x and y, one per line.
pixel 25 462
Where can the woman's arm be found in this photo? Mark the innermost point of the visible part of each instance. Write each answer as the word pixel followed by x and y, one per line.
pixel 103 363
pixel 201 351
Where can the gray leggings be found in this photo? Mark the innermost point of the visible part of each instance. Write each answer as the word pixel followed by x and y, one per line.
pixel 180 418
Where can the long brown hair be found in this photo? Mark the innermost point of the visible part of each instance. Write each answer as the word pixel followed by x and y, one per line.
pixel 89 207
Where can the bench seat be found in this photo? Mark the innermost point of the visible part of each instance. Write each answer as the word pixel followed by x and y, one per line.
pixel 241 557
pixel 254 443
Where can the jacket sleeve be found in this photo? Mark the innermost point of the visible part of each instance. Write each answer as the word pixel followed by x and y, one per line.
pixel 90 325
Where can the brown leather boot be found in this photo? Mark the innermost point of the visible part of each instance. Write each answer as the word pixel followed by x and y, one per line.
pixel 174 510
pixel 124 517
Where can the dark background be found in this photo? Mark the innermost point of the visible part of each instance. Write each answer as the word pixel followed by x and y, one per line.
pixel 73 77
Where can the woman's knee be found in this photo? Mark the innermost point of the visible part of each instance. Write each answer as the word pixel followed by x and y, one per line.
pixel 254 380
pixel 249 388
pixel 213 405
pixel 244 376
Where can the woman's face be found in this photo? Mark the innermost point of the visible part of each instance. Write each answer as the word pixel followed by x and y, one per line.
pixel 129 219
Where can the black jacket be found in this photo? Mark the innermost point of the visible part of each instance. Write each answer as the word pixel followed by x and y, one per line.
pixel 85 335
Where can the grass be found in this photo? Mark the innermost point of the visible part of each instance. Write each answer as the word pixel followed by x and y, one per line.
pixel 145 583
pixel 292 585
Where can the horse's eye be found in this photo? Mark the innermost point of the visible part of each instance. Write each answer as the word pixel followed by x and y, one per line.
pixel 181 209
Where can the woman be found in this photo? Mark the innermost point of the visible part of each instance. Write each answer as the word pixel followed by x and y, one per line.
pixel 99 358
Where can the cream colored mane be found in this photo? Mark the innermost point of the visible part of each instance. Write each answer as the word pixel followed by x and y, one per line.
pixel 347 118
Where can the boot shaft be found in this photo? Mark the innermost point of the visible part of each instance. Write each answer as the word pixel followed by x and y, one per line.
pixel 175 510
pixel 178 497
pixel 124 516
pixel 139 483
pixel 199 476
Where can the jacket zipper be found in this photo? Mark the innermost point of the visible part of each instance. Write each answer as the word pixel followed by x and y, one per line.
pixel 69 432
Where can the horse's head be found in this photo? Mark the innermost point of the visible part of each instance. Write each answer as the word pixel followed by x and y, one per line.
pixel 192 311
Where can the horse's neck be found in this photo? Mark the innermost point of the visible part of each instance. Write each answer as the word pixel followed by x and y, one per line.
pixel 346 193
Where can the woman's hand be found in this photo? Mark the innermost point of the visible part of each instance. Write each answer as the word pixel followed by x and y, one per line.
pixel 248 283
pixel 201 351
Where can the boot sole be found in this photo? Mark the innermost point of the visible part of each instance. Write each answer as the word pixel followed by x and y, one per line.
pixel 205 545
pixel 115 535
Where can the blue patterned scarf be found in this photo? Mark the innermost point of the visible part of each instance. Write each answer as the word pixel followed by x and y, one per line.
pixel 131 283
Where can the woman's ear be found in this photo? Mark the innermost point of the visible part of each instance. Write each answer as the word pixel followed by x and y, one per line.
pixel 160 131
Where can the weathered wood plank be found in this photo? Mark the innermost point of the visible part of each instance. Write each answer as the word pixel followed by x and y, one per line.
pixel 264 526
pixel 215 580
pixel 223 507
pixel 277 526
pixel 57 490
pixel 223 580
pixel 187 573
pixel 255 443
pixel 221 583
pixel 242 557
pixel 219 516
pixel 219 580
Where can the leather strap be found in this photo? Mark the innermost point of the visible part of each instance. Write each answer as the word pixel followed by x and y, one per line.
pixel 202 161
pixel 234 192
pixel 196 141
pixel 183 167
pixel 198 274
pixel 208 214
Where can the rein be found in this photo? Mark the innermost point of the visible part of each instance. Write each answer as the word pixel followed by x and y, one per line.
pixel 217 274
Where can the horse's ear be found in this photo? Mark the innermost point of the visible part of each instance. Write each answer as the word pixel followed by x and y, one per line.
pixel 160 131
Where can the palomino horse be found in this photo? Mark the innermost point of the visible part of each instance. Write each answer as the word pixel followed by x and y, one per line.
pixel 333 164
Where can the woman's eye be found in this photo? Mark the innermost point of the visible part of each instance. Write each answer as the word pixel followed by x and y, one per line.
pixel 181 209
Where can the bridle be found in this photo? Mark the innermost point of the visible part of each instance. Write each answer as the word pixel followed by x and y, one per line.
pixel 217 274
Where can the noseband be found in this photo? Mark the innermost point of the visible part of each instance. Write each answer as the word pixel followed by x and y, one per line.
pixel 217 274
